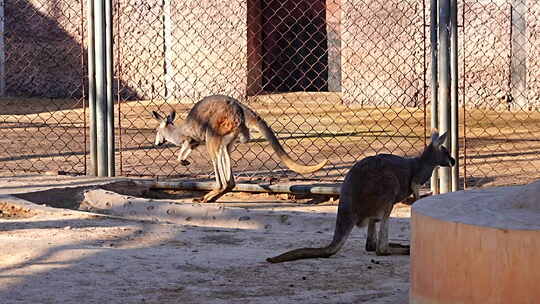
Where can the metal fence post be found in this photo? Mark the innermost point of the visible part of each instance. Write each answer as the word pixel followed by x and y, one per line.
pixel 434 84
pixel 454 146
pixel 444 85
pixel 101 89
pixel 92 89
pixel 109 80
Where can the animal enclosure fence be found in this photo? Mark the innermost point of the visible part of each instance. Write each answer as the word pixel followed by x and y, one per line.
pixel 335 79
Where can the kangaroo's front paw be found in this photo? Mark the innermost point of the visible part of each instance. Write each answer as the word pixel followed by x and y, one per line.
pixel 185 162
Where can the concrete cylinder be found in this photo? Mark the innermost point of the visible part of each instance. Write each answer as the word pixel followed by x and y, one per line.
pixel 477 246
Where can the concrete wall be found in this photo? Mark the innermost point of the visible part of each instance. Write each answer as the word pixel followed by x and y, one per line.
pixel 43 48
pixel 382 55
pixel 188 49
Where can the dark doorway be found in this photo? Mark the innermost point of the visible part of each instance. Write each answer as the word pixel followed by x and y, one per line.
pixel 294 45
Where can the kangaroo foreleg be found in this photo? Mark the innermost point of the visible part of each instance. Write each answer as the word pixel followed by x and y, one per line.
pixel 415 188
pixel 244 136
pixel 185 150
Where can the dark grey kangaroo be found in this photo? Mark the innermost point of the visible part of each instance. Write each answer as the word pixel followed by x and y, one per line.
pixel 368 194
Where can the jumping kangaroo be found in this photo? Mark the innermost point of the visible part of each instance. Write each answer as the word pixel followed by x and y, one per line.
pixel 218 121
pixel 368 194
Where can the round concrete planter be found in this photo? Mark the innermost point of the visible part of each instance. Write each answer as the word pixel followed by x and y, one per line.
pixel 477 246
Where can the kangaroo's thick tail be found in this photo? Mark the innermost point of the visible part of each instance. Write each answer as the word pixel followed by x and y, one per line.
pixel 344 224
pixel 307 253
pixel 253 119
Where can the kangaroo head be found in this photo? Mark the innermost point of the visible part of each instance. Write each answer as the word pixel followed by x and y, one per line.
pixel 165 129
pixel 436 153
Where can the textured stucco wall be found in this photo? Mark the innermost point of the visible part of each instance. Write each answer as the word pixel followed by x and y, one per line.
pixel 207 50
pixel 43 48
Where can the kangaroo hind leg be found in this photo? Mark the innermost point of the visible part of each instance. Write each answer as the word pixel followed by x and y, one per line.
pixel 383 246
pixel 371 240
pixel 218 148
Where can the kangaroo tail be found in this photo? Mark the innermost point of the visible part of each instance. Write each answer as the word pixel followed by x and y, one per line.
pixel 307 253
pixel 254 119
pixel 344 224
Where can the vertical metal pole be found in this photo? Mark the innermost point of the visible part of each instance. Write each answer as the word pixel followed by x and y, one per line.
pixel 2 51
pixel 110 96
pixel 454 146
pixel 444 85
pixel 118 85
pixel 92 89
pixel 101 87
pixel 434 83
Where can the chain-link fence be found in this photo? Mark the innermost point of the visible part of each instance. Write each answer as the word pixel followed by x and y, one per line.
pixel 501 83
pixel 335 79
pixel 42 105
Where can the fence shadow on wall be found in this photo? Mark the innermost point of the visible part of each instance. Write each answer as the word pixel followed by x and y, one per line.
pixel 46 57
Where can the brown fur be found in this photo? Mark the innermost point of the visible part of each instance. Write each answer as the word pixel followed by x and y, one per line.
pixel 218 121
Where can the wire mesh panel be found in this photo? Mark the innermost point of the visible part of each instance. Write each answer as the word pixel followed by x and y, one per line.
pixel 502 92
pixel 42 125
pixel 334 79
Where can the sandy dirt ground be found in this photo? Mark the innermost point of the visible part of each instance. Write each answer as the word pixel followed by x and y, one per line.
pixel 124 249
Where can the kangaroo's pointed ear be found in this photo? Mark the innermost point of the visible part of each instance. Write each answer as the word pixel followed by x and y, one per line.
pixel 171 117
pixel 157 116
pixel 434 135
pixel 441 139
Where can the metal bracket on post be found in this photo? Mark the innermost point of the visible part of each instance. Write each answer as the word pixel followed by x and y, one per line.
pixel 100 87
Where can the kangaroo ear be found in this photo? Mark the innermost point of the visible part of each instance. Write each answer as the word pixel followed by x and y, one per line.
pixel 171 116
pixel 157 116
pixel 434 135
pixel 442 139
